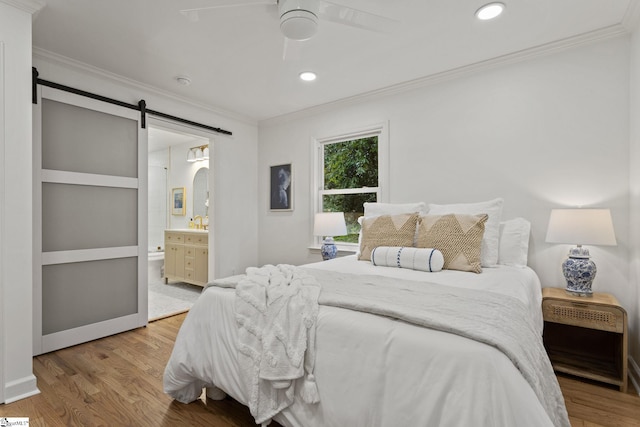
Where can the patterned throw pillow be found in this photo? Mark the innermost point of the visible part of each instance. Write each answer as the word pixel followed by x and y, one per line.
pixel 387 230
pixel 457 236
pixel 491 237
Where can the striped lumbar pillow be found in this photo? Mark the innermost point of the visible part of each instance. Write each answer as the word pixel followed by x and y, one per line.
pixel 423 259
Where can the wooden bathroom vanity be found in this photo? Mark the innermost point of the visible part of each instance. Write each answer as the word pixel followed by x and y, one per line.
pixel 186 256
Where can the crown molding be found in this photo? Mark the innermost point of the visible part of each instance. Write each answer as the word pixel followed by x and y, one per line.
pixel 455 73
pixel 29 6
pixel 73 64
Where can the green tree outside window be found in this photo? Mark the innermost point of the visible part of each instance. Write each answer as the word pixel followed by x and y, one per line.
pixel 350 180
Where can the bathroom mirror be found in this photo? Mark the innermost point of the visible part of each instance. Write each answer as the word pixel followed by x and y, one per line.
pixel 201 192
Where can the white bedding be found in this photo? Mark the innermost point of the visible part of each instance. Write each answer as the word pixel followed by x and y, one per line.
pixel 519 282
pixel 372 370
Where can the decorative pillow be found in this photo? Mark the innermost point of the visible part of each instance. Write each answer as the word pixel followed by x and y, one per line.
pixel 514 242
pixel 387 230
pixel 423 259
pixel 457 236
pixel 490 241
pixel 372 209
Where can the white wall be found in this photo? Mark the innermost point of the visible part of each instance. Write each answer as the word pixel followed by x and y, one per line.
pixel 548 132
pixel 16 377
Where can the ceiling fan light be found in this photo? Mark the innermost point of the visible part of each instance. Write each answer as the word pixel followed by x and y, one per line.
pixel 298 24
pixel 489 11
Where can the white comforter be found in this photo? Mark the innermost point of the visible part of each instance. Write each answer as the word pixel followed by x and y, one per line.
pixel 372 370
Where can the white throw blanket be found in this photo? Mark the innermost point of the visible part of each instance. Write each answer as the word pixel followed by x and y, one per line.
pixel 276 312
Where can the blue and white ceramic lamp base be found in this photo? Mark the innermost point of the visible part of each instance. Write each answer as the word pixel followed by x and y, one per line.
pixel 329 249
pixel 579 271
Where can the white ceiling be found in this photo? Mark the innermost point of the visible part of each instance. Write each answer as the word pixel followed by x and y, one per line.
pixel 234 55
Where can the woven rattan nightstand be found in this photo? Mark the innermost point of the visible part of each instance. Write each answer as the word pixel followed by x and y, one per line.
pixel 586 336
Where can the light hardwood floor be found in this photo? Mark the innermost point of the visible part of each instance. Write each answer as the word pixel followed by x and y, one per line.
pixel 117 381
pixel 594 405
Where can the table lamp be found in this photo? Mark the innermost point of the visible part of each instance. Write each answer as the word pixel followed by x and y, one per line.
pixel 581 227
pixel 329 224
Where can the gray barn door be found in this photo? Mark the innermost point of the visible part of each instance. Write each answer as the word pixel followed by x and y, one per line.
pixel 90 214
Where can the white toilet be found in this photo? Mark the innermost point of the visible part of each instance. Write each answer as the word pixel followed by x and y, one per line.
pixel 156 266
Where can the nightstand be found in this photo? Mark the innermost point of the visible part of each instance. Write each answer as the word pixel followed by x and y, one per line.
pixel 586 336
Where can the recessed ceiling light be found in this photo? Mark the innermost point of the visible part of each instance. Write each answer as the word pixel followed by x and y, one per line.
pixel 489 11
pixel 308 76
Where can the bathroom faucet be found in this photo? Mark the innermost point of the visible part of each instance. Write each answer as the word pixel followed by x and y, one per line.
pixel 198 226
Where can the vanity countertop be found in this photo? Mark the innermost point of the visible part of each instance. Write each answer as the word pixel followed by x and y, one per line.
pixel 188 230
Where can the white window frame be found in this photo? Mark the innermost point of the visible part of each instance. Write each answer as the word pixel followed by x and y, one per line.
pixel 380 130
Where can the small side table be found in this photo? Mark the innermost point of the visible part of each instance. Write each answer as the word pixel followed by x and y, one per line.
pixel 586 336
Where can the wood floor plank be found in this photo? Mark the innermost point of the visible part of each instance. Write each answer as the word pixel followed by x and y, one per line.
pixel 600 405
pixel 117 380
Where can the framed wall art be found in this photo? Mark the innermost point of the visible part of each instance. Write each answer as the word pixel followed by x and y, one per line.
pixel 281 188
pixel 178 202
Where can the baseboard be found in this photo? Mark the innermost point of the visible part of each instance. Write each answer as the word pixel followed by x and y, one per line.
pixel 634 374
pixel 21 389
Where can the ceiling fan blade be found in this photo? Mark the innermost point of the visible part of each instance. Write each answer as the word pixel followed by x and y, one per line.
pixel 193 13
pixel 356 18
pixel 291 49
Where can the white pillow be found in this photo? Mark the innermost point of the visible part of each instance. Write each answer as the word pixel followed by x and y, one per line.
pixel 377 209
pixel 491 238
pixel 514 242
pixel 360 220
pixel 423 259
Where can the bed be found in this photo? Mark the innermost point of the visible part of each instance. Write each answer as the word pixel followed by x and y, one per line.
pixel 383 368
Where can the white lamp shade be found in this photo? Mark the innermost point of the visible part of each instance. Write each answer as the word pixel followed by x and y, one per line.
pixel 329 224
pixel 191 156
pixel 581 227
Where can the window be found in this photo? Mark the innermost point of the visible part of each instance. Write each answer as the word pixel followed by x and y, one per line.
pixel 348 174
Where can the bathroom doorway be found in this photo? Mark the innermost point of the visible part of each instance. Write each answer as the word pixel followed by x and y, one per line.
pixel 172 166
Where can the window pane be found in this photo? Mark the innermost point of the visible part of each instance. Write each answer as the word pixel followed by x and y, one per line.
pixel 352 206
pixel 351 164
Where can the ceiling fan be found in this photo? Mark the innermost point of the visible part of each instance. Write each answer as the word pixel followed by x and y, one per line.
pixel 299 18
